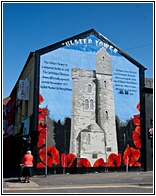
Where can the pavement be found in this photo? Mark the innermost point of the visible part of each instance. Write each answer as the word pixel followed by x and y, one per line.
pixel 60 180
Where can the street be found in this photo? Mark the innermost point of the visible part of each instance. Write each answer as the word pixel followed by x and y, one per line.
pixel 115 189
pixel 93 183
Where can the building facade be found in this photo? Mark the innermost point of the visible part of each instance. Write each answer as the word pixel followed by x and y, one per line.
pixel 80 103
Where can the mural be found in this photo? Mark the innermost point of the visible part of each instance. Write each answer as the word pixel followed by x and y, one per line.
pixel 91 98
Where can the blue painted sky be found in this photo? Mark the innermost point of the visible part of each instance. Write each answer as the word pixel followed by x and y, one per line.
pixel 27 27
pixel 56 78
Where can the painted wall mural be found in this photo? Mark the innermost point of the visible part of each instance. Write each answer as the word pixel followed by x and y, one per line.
pixel 90 95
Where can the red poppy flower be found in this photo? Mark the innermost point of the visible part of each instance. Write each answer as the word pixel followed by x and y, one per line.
pixel 136 136
pixel 136 119
pixel 68 160
pixel 40 165
pixel 114 160
pixel 40 125
pixel 138 106
pixel 43 112
pixel 53 157
pixel 43 133
pixel 99 163
pixel 84 163
pixel 131 156
pixel 40 142
pixel 40 99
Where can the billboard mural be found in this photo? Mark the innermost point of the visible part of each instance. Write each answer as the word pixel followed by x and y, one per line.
pixel 90 94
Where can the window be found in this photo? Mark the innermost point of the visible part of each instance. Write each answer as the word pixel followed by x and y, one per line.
pixel 109 149
pixel 89 89
pixel 91 104
pixel 94 156
pixel 106 115
pixel 86 104
pixel 105 84
pixel 103 58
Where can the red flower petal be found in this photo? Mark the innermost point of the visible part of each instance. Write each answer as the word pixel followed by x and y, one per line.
pixel 40 99
pixel 68 160
pixel 43 112
pixel 99 163
pixel 137 164
pixel 84 163
pixel 52 155
pixel 136 119
pixel 138 106
pixel 43 133
pixel 114 160
pixel 138 129
pixel 137 137
pixel 40 142
pixel 40 165
pixel 138 143
pixel 131 156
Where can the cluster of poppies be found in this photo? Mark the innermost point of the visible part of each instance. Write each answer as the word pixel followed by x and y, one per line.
pixel 50 155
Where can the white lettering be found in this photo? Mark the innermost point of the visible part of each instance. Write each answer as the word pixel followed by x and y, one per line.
pixel 89 41
pixel 96 42
pixel 80 40
pixel 85 41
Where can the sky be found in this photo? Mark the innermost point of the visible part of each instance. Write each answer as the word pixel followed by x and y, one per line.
pixel 56 79
pixel 27 27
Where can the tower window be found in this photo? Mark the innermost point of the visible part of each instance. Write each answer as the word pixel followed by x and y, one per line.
pixel 105 84
pixel 89 89
pixel 106 115
pixel 86 104
pixel 91 104
pixel 103 58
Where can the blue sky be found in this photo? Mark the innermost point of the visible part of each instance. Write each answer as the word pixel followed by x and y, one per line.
pixel 57 88
pixel 28 27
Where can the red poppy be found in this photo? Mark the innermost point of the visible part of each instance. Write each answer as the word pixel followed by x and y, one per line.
pixel 40 165
pixel 136 119
pixel 40 125
pixel 68 160
pixel 43 112
pixel 40 142
pixel 131 156
pixel 53 157
pixel 40 99
pixel 138 106
pixel 84 163
pixel 43 133
pixel 114 160
pixel 99 163
pixel 136 136
pixel 42 136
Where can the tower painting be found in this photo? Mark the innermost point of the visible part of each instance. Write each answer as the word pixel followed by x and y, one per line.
pixel 93 131
pixel 90 94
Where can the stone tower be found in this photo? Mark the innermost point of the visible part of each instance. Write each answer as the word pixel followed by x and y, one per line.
pixel 93 131
pixel 105 117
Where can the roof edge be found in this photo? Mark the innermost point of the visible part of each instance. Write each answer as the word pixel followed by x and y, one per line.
pixel 85 34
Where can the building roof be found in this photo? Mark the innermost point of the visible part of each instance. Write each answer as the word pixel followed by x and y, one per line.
pixel 84 35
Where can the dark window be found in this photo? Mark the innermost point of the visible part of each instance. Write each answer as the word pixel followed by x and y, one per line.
pixel 89 88
pixel 86 104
